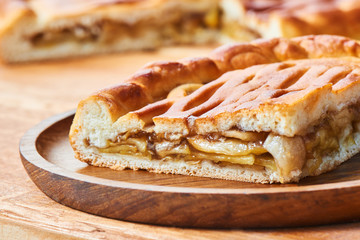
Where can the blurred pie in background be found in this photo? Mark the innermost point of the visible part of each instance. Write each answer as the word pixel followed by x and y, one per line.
pixel 48 29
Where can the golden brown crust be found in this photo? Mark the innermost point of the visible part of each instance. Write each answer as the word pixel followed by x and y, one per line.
pixel 270 93
pixel 239 56
pixel 154 82
pixel 125 97
pixel 296 18
pixel 155 76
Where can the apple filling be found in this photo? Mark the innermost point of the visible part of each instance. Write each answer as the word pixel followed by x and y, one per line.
pixel 334 132
pixel 217 148
pixel 179 29
pixel 277 153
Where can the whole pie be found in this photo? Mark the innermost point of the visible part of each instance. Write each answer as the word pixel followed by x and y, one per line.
pixel 266 111
pixel 48 29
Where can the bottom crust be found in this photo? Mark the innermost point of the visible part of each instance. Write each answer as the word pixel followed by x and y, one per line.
pixel 205 168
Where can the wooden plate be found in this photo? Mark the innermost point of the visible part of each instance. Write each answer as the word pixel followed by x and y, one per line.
pixel 175 200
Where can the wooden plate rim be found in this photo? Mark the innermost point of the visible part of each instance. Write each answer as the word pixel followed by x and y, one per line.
pixel 30 154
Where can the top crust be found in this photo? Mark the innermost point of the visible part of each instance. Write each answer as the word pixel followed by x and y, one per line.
pixel 284 98
pixel 98 117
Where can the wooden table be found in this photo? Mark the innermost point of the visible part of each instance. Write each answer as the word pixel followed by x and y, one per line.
pixel 32 92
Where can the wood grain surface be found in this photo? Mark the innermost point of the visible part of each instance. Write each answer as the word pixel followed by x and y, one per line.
pixel 33 92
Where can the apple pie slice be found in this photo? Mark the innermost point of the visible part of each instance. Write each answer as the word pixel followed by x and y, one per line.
pixel 267 111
